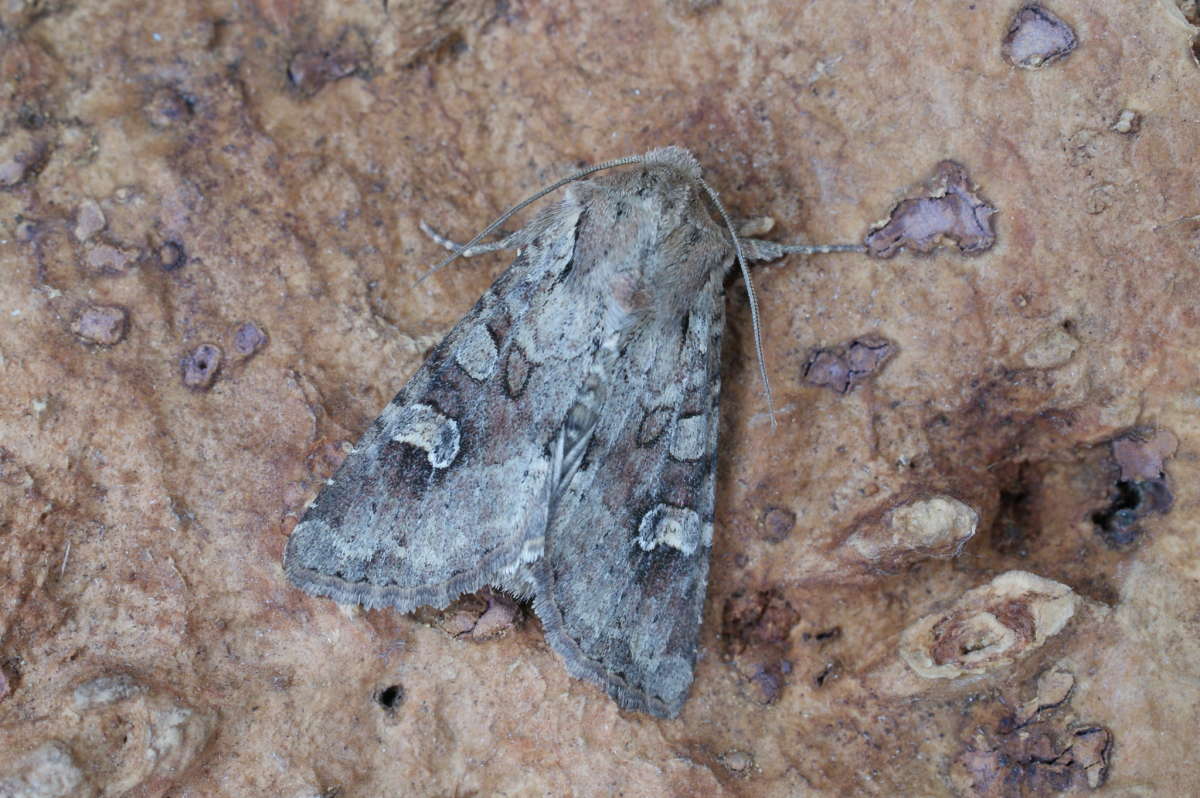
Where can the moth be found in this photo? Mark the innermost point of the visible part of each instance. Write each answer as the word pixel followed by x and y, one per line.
pixel 561 443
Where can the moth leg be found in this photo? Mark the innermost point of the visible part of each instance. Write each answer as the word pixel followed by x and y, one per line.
pixel 512 241
pixel 758 249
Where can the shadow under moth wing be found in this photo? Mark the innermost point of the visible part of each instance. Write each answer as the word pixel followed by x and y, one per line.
pixel 560 442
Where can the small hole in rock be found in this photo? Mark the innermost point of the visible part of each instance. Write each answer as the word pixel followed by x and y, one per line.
pixel 390 697
pixel 1130 502
pixel 828 672
pixel 1016 524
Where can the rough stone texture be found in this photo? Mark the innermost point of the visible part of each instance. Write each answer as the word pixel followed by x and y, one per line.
pixel 101 324
pixel 989 628
pixel 843 367
pixel 948 209
pixel 273 160
pixel 200 368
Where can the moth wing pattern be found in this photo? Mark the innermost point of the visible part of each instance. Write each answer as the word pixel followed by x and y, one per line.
pixel 622 603
pixel 438 498
pixel 560 442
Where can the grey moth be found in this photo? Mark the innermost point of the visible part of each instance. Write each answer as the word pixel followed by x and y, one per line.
pixel 561 443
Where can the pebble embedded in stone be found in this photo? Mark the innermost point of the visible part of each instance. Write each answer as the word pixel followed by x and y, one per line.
pixel 105 325
pixel 200 367
pixel 248 338
pixel 1037 38
pixel 89 220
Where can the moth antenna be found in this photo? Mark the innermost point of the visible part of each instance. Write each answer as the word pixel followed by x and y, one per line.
pixel 754 322
pixel 504 217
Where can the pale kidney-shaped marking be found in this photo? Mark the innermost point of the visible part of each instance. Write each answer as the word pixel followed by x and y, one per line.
pixel 424 427
pixel 677 527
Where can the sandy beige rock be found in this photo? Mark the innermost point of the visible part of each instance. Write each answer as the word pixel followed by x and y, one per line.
pixel 48 772
pixel 1051 349
pixel 937 526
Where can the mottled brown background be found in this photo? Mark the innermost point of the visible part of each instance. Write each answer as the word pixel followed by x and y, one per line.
pixel 185 168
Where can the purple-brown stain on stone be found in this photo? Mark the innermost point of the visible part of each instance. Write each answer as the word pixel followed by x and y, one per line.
pixel 1141 453
pixel 200 366
pixel 1044 754
pixel 89 220
pixel 248 338
pixel 755 627
pixel 102 258
pixel 951 209
pixel 1141 488
pixel 105 325
pixel 1037 38
pixel 310 70
pixel 166 107
pixel 844 366
pixel 777 524
pixel 21 157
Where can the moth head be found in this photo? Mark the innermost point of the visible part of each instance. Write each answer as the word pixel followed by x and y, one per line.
pixel 675 157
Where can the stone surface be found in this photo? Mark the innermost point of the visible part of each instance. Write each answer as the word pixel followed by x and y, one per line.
pixel 1037 38
pixel 948 210
pixel 47 772
pixel 844 366
pixel 937 526
pixel 101 324
pixel 89 220
pixel 989 627
pixel 272 161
